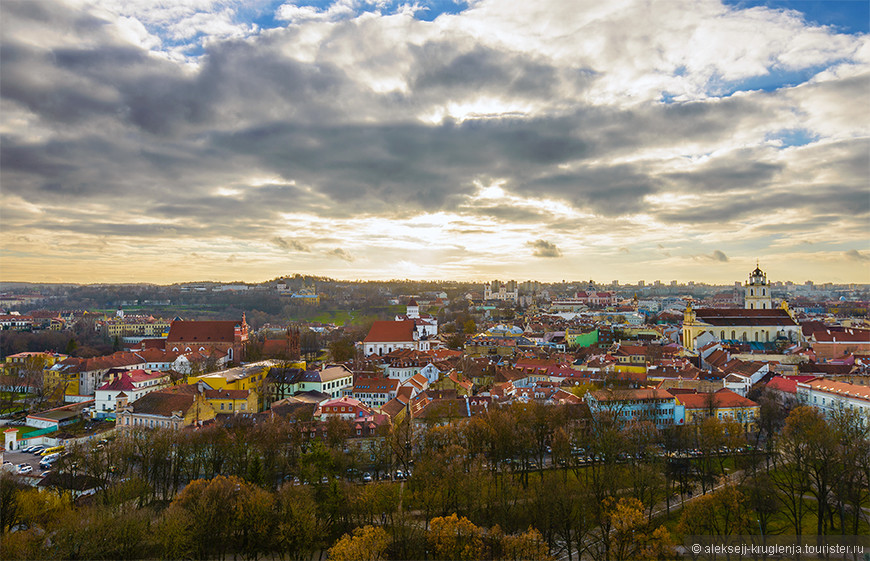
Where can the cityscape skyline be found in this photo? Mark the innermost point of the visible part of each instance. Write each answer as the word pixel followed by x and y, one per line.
pixel 242 141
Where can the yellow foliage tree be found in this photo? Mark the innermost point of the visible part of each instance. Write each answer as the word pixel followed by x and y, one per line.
pixel 455 538
pixel 367 544
pixel 528 545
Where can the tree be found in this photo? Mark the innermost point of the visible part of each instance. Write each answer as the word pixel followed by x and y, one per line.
pixel 455 538
pixel 792 477
pixel 366 544
pixel 721 513
pixel 528 545
pixel 632 538
pixel 299 529
pixel 342 349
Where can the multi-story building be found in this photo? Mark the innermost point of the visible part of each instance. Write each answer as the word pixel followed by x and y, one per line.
pixel 133 383
pixel 387 336
pixel 506 292
pixel 831 397
pixel 658 407
pixel 202 336
pixel 374 392
pixel 251 377
pixel 170 408
pixel 134 326
pixel 722 404
pixel 345 408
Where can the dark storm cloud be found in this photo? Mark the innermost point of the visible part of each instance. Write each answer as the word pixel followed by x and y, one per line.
pixel 124 128
pixel 443 69
pixel 735 174
pixel 543 248
pixel 609 190
pixel 840 200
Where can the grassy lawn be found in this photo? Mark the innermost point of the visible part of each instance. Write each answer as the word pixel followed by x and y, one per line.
pixel 24 431
pixel 780 524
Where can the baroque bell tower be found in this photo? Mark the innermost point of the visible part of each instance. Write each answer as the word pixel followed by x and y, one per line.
pixel 757 291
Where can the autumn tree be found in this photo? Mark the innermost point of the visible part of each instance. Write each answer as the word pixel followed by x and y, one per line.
pixel 631 535
pixel 366 544
pixel 723 512
pixel 455 538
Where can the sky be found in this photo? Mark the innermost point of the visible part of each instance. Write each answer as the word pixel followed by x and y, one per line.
pixel 170 141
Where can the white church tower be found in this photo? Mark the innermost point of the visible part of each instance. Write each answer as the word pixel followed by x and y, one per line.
pixel 757 291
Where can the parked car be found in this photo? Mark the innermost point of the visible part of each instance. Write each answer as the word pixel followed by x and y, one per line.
pixel 37 450
pixel 24 468
pixel 367 477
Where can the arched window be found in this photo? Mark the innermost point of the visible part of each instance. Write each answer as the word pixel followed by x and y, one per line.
pixel 756 336
pixel 752 292
pixel 722 335
pixel 767 336
pixel 733 334
pixel 764 292
pixel 751 306
pixel 743 337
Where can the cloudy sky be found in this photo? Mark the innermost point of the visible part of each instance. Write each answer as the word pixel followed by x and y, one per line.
pixel 158 141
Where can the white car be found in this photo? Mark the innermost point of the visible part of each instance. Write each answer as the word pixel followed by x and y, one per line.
pixel 25 468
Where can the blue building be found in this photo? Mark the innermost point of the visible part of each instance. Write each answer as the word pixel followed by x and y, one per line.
pixel 656 406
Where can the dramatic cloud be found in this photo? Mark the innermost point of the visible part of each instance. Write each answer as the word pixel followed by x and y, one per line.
pixel 543 248
pixel 430 143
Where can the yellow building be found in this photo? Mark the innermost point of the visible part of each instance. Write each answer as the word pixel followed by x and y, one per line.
pixel 172 408
pixel 135 326
pixel 723 404
pixel 21 362
pixel 232 401
pixel 251 377
pixel 740 325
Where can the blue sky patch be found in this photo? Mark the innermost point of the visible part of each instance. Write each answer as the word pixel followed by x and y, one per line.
pixel 775 79
pixel 846 16
pixel 793 137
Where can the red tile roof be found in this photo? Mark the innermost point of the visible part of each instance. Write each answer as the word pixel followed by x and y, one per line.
pixel 120 358
pixel 721 399
pixel 740 316
pixel 202 331
pixel 390 332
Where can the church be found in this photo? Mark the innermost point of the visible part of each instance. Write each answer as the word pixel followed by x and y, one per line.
pixel 757 322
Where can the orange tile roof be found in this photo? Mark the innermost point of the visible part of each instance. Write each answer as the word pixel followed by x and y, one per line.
pixel 840 388
pixel 722 399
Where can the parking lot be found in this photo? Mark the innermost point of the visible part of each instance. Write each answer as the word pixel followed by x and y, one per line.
pixel 24 458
